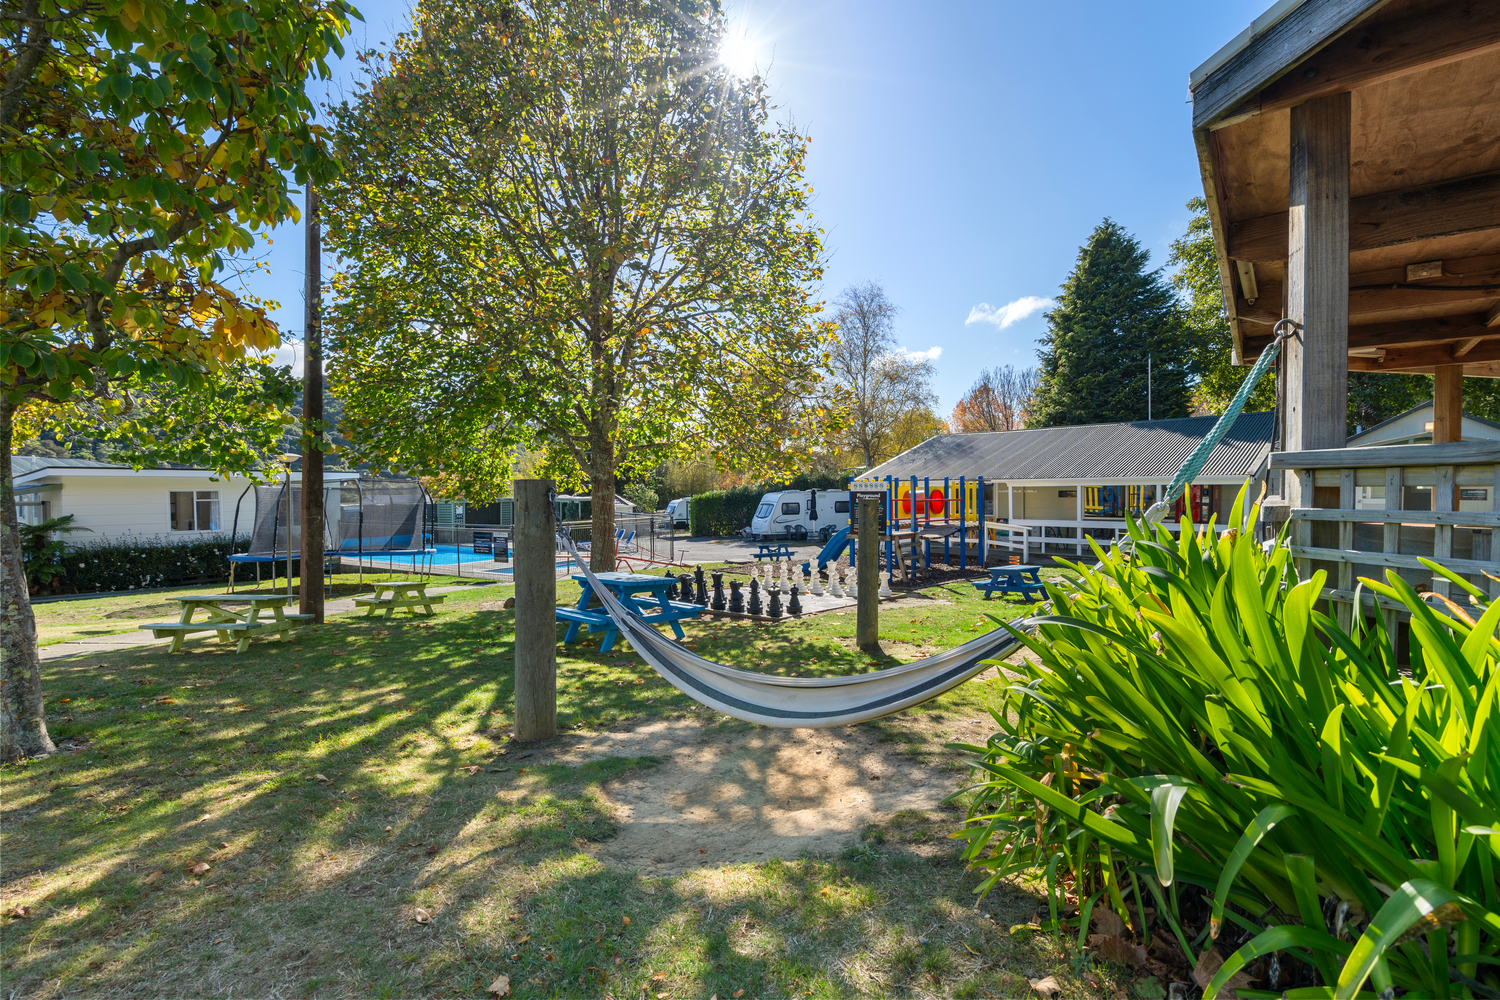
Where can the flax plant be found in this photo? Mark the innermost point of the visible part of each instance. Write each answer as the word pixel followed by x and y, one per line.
pixel 1196 716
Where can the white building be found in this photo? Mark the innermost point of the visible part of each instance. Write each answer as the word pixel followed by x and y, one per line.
pixel 116 501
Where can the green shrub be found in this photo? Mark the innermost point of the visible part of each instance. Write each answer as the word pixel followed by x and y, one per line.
pixel 1194 718
pixel 725 512
pixel 118 564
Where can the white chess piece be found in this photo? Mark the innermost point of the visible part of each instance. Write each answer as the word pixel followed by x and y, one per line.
pixel 851 586
pixel 833 582
pixel 885 588
pixel 817 584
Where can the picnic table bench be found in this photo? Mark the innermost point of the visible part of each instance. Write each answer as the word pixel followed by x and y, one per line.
pixel 626 586
pixel 230 624
pixel 1024 581
pixel 404 594
pixel 773 550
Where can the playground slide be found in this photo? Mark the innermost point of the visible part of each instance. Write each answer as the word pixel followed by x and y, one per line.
pixel 837 543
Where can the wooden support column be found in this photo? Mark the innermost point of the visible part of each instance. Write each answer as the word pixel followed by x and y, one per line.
pixel 535 570
pixel 867 573
pixel 1442 534
pixel 1317 286
pixel 1447 404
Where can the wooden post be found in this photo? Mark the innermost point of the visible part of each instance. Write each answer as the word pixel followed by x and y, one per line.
pixel 310 599
pixel 535 569
pixel 1447 404
pixel 1317 280
pixel 867 619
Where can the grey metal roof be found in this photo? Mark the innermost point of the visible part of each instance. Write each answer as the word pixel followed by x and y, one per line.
pixel 1146 450
pixel 1420 406
pixel 25 465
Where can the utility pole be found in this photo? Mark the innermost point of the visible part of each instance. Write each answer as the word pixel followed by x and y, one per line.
pixel 310 601
pixel 1148 385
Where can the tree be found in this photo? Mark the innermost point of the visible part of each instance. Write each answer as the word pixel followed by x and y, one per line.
pixel 566 224
pixel 1209 342
pixel 911 428
pixel 1112 317
pixel 140 145
pixel 880 382
pixel 997 401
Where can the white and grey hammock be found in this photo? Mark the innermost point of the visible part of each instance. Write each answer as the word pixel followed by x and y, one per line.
pixel 816 702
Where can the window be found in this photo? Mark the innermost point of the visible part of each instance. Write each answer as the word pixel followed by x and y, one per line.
pixel 194 510
pixel 791 508
pixel 764 510
pixel 33 511
pixel 841 506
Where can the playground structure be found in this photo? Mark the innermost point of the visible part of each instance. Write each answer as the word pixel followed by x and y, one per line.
pixel 375 519
pixel 924 520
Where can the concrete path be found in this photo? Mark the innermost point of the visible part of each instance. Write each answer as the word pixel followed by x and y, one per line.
pixel 736 550
pixel 127 640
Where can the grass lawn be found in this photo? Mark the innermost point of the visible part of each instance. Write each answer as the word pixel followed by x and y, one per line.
pixel 277 823
pixel 82 618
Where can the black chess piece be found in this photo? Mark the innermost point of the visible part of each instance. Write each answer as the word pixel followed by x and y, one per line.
pixel 718 601
pixel 702 596
pixel 736 599
pixel 685 587
pixel 794 607
pixel 672 590
pixel 755 608
pixel 775 609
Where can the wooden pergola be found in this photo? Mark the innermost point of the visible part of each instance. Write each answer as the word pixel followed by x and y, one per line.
pixel 1350 154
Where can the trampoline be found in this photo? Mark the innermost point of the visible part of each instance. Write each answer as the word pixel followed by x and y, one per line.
pixel 382 518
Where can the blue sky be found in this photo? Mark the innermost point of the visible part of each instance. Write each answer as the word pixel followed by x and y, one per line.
pixel 961 152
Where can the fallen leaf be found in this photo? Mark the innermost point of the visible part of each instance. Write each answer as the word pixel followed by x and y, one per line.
pixel 523 939
pixel 1118 950
pixel 433 849
pixel 1209 963
pixel 618 960
pixel 1107 922
pixel 662 996
pixel 702 851
pixel 323 778
pixel 1048 987
pixel 422 916
pixel 515 916
pixel 500 987
pixel 970 950
pixel 547 957
pixel 737 994
pixel 65 699
pixel 627 921
pixel 1150 988
pixel 152 877
pixel 198 868
pixel 659 977
pixel 387 829
pixel 223 843
pixel 19 912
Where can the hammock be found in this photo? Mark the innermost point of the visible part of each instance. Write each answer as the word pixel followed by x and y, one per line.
pixel 816 702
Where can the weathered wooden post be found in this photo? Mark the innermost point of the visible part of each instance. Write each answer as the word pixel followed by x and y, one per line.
pixel 867 627
pixel 535 570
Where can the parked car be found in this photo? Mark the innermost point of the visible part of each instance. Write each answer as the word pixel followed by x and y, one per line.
pixel 798 514
pixel 677 512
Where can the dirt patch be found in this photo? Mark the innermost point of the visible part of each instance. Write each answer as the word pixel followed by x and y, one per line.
pixel 155 610
pixel 726 794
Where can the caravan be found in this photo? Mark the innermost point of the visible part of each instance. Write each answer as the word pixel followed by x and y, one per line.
pixel 800 514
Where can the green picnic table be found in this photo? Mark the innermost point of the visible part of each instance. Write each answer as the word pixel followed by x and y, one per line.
pixel 403 594
pixel 229 622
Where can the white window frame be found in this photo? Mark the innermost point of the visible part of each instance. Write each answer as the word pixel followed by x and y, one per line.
pixel 198 497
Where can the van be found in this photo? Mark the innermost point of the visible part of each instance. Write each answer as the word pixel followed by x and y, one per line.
pixel 677 512
pixel 800 514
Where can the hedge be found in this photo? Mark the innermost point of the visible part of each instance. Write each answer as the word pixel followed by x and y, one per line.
pixel 725 512
pixel 118 564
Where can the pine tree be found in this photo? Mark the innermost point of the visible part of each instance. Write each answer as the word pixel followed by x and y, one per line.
pixel 1113 313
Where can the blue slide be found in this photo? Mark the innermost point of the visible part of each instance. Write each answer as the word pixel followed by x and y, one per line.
pixel 837 543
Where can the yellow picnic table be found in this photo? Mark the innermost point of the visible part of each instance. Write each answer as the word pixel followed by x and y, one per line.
pixel 226 621
pixel 403 594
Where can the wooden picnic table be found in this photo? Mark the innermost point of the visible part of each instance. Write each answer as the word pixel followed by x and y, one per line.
pixel 1024 581
pixel 403 594
pixel 228 621
pixel 773 550
pixel 626 586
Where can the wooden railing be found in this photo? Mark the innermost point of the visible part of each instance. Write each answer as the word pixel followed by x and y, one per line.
pixel 1329 530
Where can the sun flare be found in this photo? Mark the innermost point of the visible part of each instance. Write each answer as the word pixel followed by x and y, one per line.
pixel 739 53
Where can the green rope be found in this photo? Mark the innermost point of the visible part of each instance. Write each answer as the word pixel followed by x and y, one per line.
pixel 1196 460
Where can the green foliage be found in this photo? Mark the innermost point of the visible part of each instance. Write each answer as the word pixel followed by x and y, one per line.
pixel 566 223
pixel 1112 313
pixel 41 553
pixel 1209 343
pixel 1377 396
pixel 642 495
pixel 1193 717
pixel 140 147
pixel 725 512
pixel 117 564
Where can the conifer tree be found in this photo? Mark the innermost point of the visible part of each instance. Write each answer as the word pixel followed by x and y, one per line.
pixel 1112 315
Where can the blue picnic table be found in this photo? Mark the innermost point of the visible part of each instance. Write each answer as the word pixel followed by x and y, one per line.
pixel 772 550
pixel 653 606
pixel 1024 581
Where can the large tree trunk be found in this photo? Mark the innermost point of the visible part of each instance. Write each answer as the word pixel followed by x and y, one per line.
pixel 602 525
pixel 23 727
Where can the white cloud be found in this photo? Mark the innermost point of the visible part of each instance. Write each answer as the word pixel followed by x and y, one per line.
pixel 289 354
pixel 1011 312
pixel 931 354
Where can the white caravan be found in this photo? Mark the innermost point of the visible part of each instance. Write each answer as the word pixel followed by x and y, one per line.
pixel 800 514
pixel 677 512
